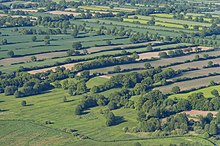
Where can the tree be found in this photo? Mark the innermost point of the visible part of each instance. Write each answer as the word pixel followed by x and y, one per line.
pixel 64 99
pixel 47 37
pixel 152 21
pixel 116 69
pixel 147 66
pixel 75 33
pixel 11 54
pixel 23 103
pixel 163 55
pixel 175 89
pixel 10 90
pixel 197 57
pixel 85 74
pixel 78 110
pixel 81 88
pixel 33 58
pixel 108 42
pixel 135 56
pixel 213 130
pixel 47 42
pixel 71 52
pixel 112 105
pixel 4 41
pixel 141 116
pixel 77 45
pixel 34 38
pixel 212 83
pixel 110 119
pixel 210 63
pixel 149 47
pixel 215 93
pixel 85 51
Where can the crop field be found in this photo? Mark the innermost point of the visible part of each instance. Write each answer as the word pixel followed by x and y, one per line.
pixel 109 73
pixel 63 13
pixel 186 85
pixel 165 61
pixel 200 72
pixel 205 91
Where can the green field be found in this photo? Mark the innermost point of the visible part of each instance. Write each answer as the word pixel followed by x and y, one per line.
pixel 101 73
pixel 205 91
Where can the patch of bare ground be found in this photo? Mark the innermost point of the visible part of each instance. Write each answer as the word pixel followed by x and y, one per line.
pixel 194 113
pixel 103 48
pixel 149 55
pixel 70 9
pixel 106 76
pixel 3 15
pixel 63 13
pixel 67 66
pixel 9 61
pixel 25 10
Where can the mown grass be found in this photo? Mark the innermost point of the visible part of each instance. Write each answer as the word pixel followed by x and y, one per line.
pixel 26 125
pixel 29 133
pixel 205 91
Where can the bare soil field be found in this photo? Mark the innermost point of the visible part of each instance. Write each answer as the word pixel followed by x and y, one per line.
pixel 200 72
pixel 186 85
pixel 70 9
pixel 67 66
pixel 195 113
pixel 149 55
pixel 9 61
pixel 25 10
pixel 103 48
pixel 198 64
pixel 106 76
pixel 63 13
pixel 3 15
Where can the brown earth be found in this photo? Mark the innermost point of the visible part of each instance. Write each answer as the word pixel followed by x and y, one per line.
pixel 64 13
pixel 9 61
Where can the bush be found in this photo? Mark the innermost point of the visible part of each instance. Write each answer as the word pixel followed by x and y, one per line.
pixel 23 103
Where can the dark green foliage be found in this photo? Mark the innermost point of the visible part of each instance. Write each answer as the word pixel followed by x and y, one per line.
pixel 175 89
pixel 89 101
pixel 11 54
pixel 215 93
pixel 77 46
pixel 10 90
pixel 110 119
pixel 103 62
pixel 23 103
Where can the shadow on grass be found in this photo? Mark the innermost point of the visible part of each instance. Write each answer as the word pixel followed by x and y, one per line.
pixel 119 120
pixel 44 46
pixel 69 100
pixel 3 110
pixel 84 113
pixel 29 104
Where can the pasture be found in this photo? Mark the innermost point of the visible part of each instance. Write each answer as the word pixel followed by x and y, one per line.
pixel 66 33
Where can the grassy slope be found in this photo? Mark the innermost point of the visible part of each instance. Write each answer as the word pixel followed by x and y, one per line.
pixel 49 106
pixel 205 91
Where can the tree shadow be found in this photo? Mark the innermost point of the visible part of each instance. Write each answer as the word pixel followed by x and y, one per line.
pixel 82 36
pixel 119 120
pixel 44 46
pixel 69 100
pixel 29 104
pixel 84 113
pixel 3 110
